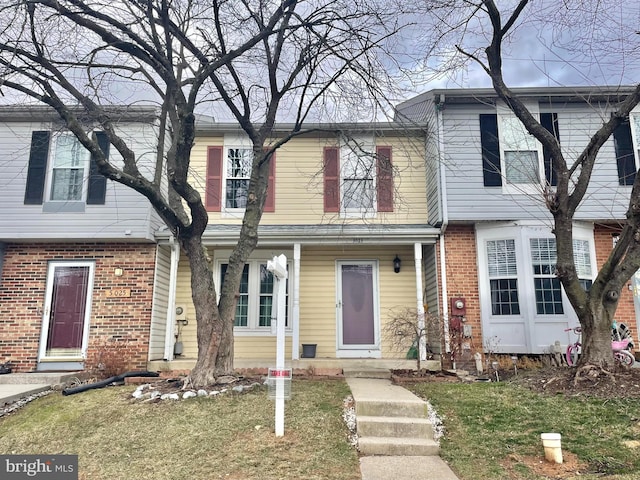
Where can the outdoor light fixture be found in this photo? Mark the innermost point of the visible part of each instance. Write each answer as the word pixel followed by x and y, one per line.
pixel 396 264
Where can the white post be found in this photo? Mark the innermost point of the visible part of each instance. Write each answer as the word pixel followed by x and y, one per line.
pixel 417 254
pixel 278 266
pixel 295 320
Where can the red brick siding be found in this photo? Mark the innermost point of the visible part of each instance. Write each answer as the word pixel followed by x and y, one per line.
pixel 462 279
pixel 604 244
pixel 23 287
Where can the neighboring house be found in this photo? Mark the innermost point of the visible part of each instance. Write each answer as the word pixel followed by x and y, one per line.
pixel 341 207
pixel 77 252
pixel 486 182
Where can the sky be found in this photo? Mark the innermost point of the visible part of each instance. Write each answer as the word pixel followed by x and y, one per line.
pixel 555 43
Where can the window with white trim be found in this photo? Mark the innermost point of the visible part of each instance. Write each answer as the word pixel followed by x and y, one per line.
pixel 503 277
pixel 521 153
pixel 255 298
pixel 238 163
pixel 69 167
pixel 548 292
pixel 358 176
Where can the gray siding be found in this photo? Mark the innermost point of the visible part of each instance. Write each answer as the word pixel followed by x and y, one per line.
pixel 433 162
pixel 160 303
pixel 431 296
pixel 469 200
pixel 125 215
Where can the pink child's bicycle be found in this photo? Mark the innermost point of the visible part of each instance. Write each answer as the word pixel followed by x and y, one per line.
pixel 620 347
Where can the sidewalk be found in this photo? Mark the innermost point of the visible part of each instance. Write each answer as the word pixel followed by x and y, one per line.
pixel 11 392
pixel 383 467
pixel 14 386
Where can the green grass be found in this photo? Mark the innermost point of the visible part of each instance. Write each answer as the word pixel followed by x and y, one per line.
pixel 230 436
pixel 490 427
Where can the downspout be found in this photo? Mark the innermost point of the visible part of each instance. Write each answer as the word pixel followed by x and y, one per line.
pixel 169 338
pixel 439 107
pixel 295 339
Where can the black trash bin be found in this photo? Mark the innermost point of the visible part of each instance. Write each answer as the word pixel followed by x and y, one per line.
pixel 309 350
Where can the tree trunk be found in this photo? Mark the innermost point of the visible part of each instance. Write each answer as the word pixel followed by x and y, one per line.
pixel 209 326
pixel 596 336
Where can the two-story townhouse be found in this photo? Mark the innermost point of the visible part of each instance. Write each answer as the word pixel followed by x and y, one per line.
pixel 487 179
pixel 349 212
pixel 77 252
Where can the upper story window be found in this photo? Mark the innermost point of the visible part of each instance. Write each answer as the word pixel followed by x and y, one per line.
pixel 511 157
pixel 358 179
pixel 238 168
pixel 520 159
pixel 62 175
pixel 228 174
pixel 69 164
pixel 626 140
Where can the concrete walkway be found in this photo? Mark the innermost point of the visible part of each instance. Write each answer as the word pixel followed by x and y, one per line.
pixel 14 386
pixel 370 391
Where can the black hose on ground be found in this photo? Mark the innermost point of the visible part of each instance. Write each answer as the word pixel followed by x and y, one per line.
pixel 118 379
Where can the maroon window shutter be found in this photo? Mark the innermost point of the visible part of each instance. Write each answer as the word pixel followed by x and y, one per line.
pixel 384 179
pixel 331 179
pixel 270 202
pixel 213 193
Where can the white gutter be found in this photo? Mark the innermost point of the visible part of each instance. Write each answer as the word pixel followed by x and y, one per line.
pixel 169 338
pixel 443 228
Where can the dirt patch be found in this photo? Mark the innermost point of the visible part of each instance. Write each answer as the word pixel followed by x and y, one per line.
pixel 569 468
pixel 591 382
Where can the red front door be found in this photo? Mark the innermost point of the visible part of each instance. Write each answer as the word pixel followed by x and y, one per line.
pixel 68 309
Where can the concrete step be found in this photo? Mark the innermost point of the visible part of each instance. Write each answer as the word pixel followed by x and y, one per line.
pixel 366 372
pixel 397 446
pixel 385 408
pixel 50 378
pixel 399 427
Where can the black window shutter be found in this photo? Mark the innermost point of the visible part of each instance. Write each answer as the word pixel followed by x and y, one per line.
pixel 490 150
pixel 624 153
pixel 550 122
pixel 97 189
pixel 37 168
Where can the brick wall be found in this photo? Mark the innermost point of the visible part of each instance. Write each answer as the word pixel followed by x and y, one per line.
pixel 462 281
pixel 125 321
pixel 625 312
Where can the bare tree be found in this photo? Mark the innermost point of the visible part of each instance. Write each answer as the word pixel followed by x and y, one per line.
pixel 250 60
pixel 596 307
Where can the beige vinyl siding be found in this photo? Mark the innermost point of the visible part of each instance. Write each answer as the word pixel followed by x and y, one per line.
pixel 160 303
pixel 318 313
pixel 299 182
pixel 318 321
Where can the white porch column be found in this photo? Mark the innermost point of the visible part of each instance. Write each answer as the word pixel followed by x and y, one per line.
pixel 295 339
pixel 445 304
pixel 417 255
pixel 169 338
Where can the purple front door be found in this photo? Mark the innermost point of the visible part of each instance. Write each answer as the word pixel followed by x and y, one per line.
pixel 68 307
pixel 357 305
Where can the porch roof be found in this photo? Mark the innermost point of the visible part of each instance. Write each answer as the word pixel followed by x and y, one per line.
pixel 343 234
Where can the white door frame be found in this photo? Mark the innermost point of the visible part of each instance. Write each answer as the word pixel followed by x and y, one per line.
pixel 358 351
pixel 46 316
